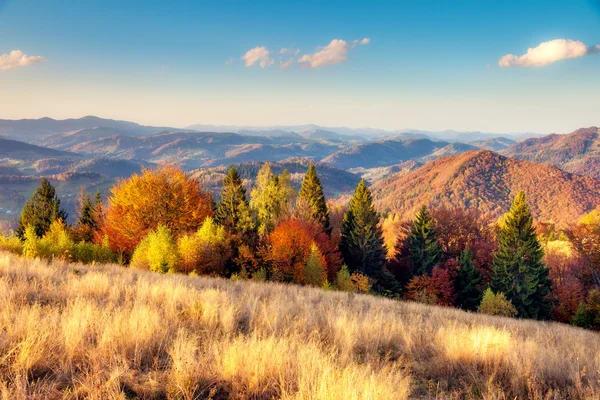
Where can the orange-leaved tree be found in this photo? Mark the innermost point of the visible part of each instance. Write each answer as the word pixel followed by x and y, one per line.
pixel 165 196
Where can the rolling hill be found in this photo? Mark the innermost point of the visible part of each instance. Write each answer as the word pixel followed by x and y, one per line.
pixel 335 181
pixel 488 182
pixel 383 153
pixel 108 332
pixel 577 152
pixel 15 150
pixel 493 144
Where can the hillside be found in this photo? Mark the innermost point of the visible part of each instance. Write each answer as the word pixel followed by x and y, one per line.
pixel 16 150
pixel 335 181
pixel 112 332
pixel 383 153
pixel 493 144
pixel 488 182
pixel 577 152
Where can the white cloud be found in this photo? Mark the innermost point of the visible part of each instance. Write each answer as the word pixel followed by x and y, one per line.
pixel 284 50
pixel 17 58
pixel 548 53
pixel 258 54
pixel 365 41
pixel 229 61
pixel 334 53
pixel 286 64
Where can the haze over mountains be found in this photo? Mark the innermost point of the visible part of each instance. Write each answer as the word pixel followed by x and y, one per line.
pixel 407 167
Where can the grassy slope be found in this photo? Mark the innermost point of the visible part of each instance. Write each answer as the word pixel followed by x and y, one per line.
pixel 68 331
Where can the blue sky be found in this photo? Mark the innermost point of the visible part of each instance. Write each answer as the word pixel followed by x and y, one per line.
pixel 425 64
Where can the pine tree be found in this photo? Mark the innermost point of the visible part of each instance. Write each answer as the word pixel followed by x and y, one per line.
pixel 41 210
pixel 468 282
pixel 518 270
pixel 311 192
pixel 362 241
pixel 233 211
pixel 424 251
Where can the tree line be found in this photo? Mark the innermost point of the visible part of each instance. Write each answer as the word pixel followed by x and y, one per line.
pixel 164 221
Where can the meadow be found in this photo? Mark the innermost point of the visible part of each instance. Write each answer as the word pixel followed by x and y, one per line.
pixel 69 331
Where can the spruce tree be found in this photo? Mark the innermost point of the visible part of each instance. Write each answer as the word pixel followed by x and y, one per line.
pixel 311 192
pixel 362 241
pixel 468 282
pixel 41 210
pixel 518 270
pixel 233 211
pixel 86 213
pixel 424 251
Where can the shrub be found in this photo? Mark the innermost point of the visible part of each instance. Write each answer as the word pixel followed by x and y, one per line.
pixel 207 251
pixel 11 243
pixel 156 252
pixel 588 313
pixel 496 304
pixel 362 283
pixel 57 243
pixel 343 280
pixel 31 243
pixel 88 253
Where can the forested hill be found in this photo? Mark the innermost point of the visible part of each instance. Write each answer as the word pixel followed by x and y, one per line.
pixel 488 182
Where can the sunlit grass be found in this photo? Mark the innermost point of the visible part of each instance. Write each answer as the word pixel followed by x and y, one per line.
pixel 108 332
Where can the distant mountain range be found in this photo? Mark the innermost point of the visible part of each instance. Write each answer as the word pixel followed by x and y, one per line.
pixel 577 152
pixel 335 182
pixel 488 182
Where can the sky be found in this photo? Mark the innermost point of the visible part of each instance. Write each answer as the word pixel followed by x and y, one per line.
pixel 495 66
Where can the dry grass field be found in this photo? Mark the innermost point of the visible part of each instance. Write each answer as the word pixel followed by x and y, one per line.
pixel 107 332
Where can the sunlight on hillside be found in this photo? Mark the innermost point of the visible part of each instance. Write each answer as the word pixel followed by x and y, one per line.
pixel 70 331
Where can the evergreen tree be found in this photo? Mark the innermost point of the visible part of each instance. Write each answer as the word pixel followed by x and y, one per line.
pixel 424 251
pixel 41 210
pixel 86 213
pixel 468 282
pixel 518 270
pixel 233 211
pixel 311 192
pixel 362 241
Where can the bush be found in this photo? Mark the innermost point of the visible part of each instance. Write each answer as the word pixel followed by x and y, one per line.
pixel 343 280
pixel 156 252
pixel 57 243
pixel 31 243
pixel 88 253
pixel 588 313
pixel 11 243
pixel 496 304
pixel 360 282
pixel 205 252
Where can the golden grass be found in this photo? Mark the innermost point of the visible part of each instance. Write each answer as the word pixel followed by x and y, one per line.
pixel 107 332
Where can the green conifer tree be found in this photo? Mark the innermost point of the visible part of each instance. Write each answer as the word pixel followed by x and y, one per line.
pixel 41 210
pixel 424 251
pixel 362 241
pixel 233 211
pixel 518 270
pixel 468 282
pixel 311 192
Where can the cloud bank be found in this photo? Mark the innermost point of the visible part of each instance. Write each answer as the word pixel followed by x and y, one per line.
pixel 334 53
pixel 17 58
pixel 548 53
